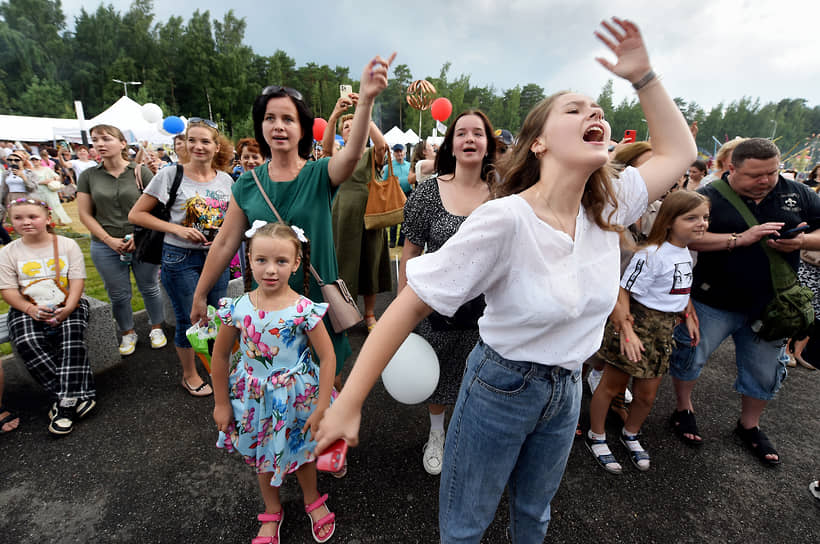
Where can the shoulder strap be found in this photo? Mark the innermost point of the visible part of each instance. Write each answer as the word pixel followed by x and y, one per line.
pixel 389 167
pixel 56 259
pixel 783 275
pixel 172 194
pixel 279 218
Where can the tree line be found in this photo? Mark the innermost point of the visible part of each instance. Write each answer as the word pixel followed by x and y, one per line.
pixel 203 68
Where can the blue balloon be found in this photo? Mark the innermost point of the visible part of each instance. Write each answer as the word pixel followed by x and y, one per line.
pixel 173 124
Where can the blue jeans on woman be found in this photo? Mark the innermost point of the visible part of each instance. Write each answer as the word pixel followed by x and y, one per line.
pixel 181 269
pixel 116 276
pixel 513 426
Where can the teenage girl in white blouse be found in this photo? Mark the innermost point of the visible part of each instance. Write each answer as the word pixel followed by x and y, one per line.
pixel 546 257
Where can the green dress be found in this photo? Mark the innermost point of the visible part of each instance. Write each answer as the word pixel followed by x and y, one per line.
pixel 304 202
pixel 364 260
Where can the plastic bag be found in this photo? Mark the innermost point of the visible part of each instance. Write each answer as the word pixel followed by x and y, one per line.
pixel 202 337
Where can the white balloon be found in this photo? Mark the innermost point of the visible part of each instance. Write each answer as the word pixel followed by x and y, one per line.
pixel 412 374
pixel 161 129
pixel 151 112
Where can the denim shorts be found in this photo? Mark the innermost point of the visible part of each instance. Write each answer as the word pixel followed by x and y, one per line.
pixel 760 372
pixel 181 268
pixel 512 427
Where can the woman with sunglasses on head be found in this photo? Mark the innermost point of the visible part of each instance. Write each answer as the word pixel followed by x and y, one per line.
pixel 545 256
pixel 301 190
pixel 196 215
pixel 105 195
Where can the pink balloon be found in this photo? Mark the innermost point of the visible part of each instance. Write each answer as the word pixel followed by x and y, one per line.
pixel 319 126
pixel 441 109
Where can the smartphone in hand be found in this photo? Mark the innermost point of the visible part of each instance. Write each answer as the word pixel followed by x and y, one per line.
pixel 791 233
pixel 333 458
pixel 629 136
pixel 345 90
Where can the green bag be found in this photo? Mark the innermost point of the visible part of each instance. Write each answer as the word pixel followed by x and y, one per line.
pixel 202 337
pixel 790 311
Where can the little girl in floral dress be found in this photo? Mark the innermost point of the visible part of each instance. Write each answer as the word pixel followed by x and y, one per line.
pixel 270 395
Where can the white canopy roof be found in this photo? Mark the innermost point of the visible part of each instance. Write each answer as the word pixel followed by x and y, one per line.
pixel 38 129
pixel 395 136
pixel 411 137
pixel 126 115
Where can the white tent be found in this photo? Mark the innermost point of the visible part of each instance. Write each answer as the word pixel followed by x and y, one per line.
pixel 411 137
pixel 395 136
pixel 126 115
pixel 38 129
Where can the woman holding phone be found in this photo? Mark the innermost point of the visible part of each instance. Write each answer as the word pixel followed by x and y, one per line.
pixel 533 253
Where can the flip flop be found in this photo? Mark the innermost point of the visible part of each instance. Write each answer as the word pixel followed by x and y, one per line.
pixel 200 391
pixel 9 418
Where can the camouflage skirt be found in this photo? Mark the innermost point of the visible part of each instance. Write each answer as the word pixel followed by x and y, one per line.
pixel 654 329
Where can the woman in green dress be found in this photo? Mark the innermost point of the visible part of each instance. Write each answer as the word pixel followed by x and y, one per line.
pixel 302 191
pixel 364 259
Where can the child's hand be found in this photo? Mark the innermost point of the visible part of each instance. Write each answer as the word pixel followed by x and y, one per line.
pixel 223 413
pixel 312 422
pixel 338 422
pixel 693 327
pixel 39 313
pixel 631 345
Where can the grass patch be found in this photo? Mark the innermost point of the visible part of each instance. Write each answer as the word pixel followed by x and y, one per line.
pixel 93 283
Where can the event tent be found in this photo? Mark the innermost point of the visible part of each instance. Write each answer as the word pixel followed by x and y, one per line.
pixel 126 115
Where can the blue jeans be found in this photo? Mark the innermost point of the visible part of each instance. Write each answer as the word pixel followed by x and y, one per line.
pixel 760 370
pixel 181 269
pixel 513 426
pixel 116 276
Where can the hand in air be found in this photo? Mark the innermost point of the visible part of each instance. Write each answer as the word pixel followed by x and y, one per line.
pixel 624 39
pixel 345 103
pixel 374 77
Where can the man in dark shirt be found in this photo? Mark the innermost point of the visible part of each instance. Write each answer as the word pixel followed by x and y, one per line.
pixel 732 285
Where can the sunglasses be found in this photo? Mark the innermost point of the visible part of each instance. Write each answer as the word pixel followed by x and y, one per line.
pixel 276 89
pixel 15 159
pixel 206 122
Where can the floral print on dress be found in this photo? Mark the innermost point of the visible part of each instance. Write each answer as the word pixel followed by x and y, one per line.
pixel 273 384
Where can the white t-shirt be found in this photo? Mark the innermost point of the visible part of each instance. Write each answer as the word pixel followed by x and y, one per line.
pixel 547 296
pixel 198 205
pixel 21 264
pixel 660 277
pixel 15 183
pixel 81 166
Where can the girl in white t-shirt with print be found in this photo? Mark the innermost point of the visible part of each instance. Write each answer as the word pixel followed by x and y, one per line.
pixel 545 255
pixel 654 291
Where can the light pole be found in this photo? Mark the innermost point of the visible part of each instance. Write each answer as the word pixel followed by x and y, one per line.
pixel 774 129
pixel 646 136
pixel 125 84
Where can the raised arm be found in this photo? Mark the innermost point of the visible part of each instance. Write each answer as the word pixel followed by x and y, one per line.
pixel 673 148
pixel 373 82
pixel 342 105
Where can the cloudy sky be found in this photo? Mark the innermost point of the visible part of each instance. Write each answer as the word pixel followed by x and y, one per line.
pixel 707 51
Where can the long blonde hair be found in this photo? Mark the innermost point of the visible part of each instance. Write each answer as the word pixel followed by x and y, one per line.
pixel 521 169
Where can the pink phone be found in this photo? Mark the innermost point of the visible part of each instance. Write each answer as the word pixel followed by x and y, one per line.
pixel 333 458
pixel 629 136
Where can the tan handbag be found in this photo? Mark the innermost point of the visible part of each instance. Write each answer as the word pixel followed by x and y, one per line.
pixel 385 199
pixel 343 310
pixel 48 291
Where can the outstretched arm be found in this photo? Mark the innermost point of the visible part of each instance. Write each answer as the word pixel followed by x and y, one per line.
pixel 342 105
pixel 673 147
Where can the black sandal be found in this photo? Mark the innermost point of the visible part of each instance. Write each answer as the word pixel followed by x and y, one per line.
pixel 683 423
pixel 758 443
pixel 8 419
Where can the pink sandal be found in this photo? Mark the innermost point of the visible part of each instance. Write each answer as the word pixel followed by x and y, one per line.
pixel 270 518
pixel 326 520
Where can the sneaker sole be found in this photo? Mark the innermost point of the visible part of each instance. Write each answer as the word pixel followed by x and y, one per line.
pixel 128 351
pixel 58 432
pixel 158 346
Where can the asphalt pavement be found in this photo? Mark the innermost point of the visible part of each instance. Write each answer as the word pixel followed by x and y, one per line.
pixel 144 468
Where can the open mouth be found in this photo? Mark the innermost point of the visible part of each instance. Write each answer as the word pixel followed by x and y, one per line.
pixel 594 134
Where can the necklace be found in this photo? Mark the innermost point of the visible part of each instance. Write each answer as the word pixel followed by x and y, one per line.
pixel 555 215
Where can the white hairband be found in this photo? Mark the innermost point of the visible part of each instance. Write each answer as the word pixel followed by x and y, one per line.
pixel 258 224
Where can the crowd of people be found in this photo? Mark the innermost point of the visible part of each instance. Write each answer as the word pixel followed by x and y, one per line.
pixel 676 267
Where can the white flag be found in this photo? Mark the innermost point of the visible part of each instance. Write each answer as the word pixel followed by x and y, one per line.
pixel 441 127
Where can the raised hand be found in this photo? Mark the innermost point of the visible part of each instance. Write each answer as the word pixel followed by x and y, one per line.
pixel 624 39
pixel 374 77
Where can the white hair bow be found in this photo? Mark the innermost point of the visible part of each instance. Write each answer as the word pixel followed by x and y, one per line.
pixel 300 234
pixel 258 224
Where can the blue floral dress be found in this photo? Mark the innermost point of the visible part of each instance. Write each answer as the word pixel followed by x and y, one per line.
pixel 273 384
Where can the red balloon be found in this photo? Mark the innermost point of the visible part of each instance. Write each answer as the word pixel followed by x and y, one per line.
pixel 441 109
pixel 319 126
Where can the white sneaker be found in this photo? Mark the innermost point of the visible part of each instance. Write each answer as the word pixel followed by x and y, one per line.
pixel 158 339
pixel 593 379
pixel 128 344
pixel 627 396
pixel 434 453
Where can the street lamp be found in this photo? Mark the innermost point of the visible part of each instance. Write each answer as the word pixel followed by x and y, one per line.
pixel 125 84
pixel 646 136
pixel 774 129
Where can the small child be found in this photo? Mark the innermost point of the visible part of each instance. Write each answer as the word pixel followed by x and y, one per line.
pixel 272 393
pixel 656 285
pixel 46 321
